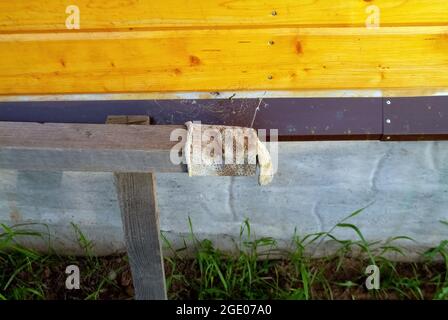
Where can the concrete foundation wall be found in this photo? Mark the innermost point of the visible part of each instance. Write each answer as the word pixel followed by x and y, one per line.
pixel 317 185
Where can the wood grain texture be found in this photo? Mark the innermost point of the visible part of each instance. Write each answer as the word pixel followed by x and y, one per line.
pixel 136 195
pixel 138 47
pixel 36 15
pixel 132 119
pixel 214 60
pixel 87 147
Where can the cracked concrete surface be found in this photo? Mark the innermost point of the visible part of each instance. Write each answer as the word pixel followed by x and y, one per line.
pixel 317 185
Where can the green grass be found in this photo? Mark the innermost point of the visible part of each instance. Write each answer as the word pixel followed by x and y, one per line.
pixel 27 274
pixel 256 269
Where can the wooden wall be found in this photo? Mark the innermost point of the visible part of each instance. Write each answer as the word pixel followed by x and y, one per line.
pixel 132 46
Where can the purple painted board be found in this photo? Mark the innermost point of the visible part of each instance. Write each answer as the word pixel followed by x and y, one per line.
pixel 295 118
pixel 420 118
pixel 322 119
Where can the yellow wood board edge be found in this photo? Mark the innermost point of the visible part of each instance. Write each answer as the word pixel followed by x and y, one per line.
pixel 50 15
pixel 291 59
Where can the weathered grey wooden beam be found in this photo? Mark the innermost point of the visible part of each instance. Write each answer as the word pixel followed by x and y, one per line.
pixel 137 198
pixel 87 147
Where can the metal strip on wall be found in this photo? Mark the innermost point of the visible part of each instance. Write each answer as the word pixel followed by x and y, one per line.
pixel 297 119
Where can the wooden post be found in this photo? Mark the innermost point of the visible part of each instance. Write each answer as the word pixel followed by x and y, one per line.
pixel 137 198
pixel 138 204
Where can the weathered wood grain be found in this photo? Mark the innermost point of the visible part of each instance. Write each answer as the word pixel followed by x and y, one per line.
pixel 138 204
pixel 86 147
pixel 136 194
pixel 132 119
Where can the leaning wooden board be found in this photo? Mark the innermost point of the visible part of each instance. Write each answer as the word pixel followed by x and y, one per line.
pixel 170 46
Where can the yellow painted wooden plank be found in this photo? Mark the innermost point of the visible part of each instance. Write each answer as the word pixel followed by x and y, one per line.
pixel 235 59
pixel 38 15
